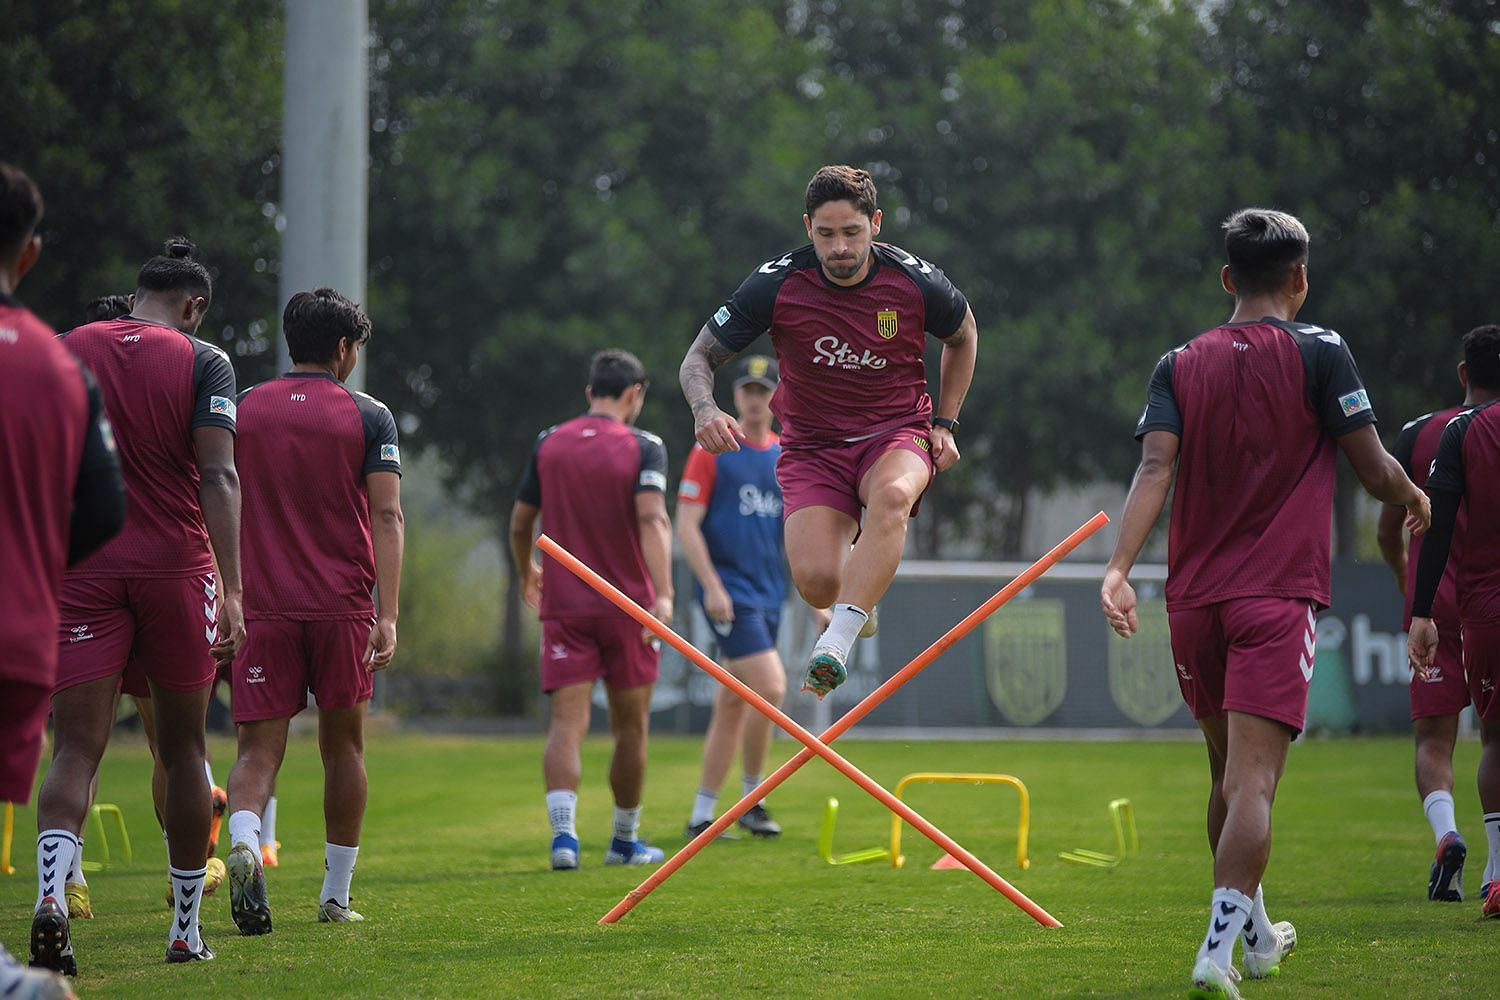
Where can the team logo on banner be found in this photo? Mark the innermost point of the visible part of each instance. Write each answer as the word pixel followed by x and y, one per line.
pixel 885 323
pixel 1142 678
pixel 1026 660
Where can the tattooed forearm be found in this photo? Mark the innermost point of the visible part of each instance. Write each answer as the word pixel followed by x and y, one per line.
pixel 697 372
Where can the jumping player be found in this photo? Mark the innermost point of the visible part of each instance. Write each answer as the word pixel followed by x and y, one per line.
pixel 1439 693
pixel 151 593
pixel 323 525
pixel 598 484
pixel 1250 415
pixel 61 490
pixel 847 318
pixel 1466 473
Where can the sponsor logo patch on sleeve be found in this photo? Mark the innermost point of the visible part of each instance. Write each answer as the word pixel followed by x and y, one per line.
pixel 390 453
pixel 221 404
pixel 722 316
pixel 1355 402
pixel 651 479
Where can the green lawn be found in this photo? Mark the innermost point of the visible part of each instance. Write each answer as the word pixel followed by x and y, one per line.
pixel 455 884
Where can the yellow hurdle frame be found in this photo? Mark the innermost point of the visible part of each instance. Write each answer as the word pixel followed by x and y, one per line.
pixel 936 777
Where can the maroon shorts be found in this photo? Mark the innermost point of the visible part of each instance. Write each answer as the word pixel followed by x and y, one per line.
pixel 830 476
pixel 165 624
pixel 1482 666
pixel 281 661
pixel 584 650
pixel 23 719
pixel 133 681
pixel 1253 655
pixel 1443 691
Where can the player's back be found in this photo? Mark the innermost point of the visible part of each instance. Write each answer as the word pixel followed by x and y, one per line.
pixel 1475 436
pixel 306 443
pixel 1416 447
pixel 158 384
pixel 43 417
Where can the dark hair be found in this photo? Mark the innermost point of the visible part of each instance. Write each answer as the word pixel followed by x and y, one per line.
pixel 106 307
pixel 316 322
pixel 613 371
pixel 175 270
pixel 841 183
pixel 20 209
pixel 1263 246
pixel 1482 356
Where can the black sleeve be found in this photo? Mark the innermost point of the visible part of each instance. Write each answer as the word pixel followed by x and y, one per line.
pixel 1161 413
pixel 1435 546
pixel 1447 472
pixel 1406 442
pixel 943 304
pixel 530 491
pixel 213 387
pixel 1336 390
pixel 99 493
pixel 382 448
pixel 653 474
pixel 748 312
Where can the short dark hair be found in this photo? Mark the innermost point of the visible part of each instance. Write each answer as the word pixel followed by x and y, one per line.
pixel 841 183
pixel 1482 356
pixel 106 307
pixel 20 209
pixel 315 322
pixel 175 270
pixel 613 371
pixel 1263 246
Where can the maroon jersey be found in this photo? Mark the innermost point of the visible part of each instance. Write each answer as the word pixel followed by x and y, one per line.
pixel 1416 447
pixel 159 384
pixel 52 432
pixel 306 443
pixel 584 475
pixel 850 357
pixel 1468 464
pixel 1256 407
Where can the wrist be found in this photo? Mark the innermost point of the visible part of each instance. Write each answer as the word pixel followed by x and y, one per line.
pixel 388 617
pixel 949 424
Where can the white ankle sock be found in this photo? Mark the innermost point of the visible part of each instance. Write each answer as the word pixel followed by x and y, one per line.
pixel 338 872
pixel 187 890
pixel 1228 911
pixel 1259 935
pixel 54 856
pixel 244 828
pixel 1439 809
pixel 749 783
pixel 561 806
pixel 841 632
pixel 628 823
pixel 704 804
pixel 268 824
pixel 1492 834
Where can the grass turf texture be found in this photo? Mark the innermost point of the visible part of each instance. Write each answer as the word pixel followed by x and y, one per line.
pixel 453 878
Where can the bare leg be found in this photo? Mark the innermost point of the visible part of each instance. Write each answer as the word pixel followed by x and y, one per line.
pixel 341 738
pixel 262 747
pixel 630 721
pixel 1489 765
pixel 180 720
pixel 81 719
pixel 888 491
pixel 1216 736
pixel 147 712
pixel 1435 738
pixel 766 676
pixel 1253 767
pixel 723 737
pixel 817 545
pixel 561 766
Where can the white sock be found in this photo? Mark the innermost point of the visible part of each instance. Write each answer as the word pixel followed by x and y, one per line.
pixel 627 823
pixel 244 828
pixel 704 804
pixel 187 890
pixel 561 806
pixel 1492 833
pixel 1259 935
pixel 268 824
pixel 841 632
pixel 749 783
pixel 75 870
pixel 338 872
pixel 208 769
pixel 54 856
pixel 1228 911
pixel 1439 809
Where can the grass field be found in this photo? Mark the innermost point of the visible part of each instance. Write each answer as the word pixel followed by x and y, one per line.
pixel 453 879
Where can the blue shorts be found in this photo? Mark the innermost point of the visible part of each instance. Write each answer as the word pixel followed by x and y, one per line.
pixel 753 630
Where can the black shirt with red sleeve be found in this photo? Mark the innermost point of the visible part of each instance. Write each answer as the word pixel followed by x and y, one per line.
pixel 1466 470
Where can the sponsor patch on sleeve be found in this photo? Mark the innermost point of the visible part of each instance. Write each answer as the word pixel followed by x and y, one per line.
pixel 653 480
pixel 1355 402
pixel 390 453
pixel 221 404
pixel 690 488
pixel 722 316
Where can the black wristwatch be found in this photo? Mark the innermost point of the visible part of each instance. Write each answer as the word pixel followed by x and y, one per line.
pixel 950 425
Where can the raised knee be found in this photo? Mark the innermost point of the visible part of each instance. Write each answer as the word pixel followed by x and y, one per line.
pixel 892 500
pixel 819 589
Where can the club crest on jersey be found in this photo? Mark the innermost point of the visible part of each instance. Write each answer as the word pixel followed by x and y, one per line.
pixel 885 323
pixel 221 404
pixel 1355 402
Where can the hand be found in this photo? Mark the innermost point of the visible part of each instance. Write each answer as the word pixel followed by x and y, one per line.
pixel 717 431
pixel 1419 514
pixel 822 616
pixel 381 646
pixel 1421 645
pixel 1117 598
pixel 231 629
pixel 944 449
pixel 662 609
pixel 719 605
pixel 531 587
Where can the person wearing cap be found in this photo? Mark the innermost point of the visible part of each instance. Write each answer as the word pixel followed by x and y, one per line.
pixel 729 523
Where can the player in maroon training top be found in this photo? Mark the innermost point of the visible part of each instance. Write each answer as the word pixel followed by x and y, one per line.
pixel 61 497
pixel 848 318
pixel 1466 474
pixel 150 595
pixel 1439 693
pixel 322 526
pixel 1250 416
pixel 598 484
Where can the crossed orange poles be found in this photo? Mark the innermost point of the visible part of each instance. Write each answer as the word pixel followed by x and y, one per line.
pixel 817 746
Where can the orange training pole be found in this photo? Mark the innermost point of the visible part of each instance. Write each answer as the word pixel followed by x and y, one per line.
pixel 858 712
pixel 813 746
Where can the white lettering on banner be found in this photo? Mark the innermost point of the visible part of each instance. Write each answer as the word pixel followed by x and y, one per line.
pixel 1373 656
pixel 836 354
pixel 754 503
